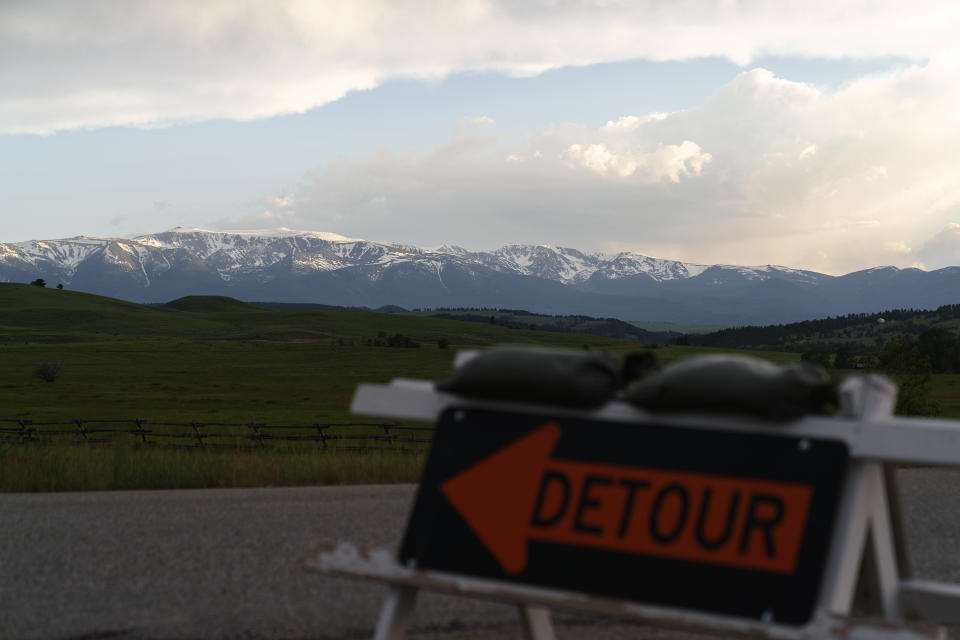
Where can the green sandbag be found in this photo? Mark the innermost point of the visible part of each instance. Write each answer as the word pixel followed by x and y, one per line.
pixel 531 374
pixel 736 384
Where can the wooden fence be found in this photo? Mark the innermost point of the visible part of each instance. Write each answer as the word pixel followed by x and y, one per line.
pixel 341 436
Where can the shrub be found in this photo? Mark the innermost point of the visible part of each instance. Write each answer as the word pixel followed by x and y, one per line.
pixel 394 340
pixel 48 371
pixel 821 358
pixel 902 360
pixel 39 282
pixel 844 359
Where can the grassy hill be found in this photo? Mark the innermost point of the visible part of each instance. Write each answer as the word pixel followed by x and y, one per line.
pixel 36 314
pixel 209 304
pixel 20 297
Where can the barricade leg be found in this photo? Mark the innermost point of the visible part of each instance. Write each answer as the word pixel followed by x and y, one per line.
pixel 863 527
pixel 884 549
pixel 396 613
pixel 536 622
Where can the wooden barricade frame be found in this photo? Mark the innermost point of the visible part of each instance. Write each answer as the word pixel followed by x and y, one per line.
pixel 866 561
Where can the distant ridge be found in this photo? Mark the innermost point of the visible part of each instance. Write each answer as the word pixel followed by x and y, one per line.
pixel 858 333
pixel 38 314
pixel 208 304
pixel 308 267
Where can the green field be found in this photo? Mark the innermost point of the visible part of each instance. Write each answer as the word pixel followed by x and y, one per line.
pixel 224 361
pixel 218 360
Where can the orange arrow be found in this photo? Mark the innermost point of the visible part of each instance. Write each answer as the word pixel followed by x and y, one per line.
pixel 520 494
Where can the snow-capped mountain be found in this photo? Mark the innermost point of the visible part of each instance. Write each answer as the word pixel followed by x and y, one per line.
pixel 293 266
pixel 570 266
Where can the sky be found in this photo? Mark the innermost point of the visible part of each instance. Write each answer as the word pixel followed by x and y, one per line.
pixel 815 135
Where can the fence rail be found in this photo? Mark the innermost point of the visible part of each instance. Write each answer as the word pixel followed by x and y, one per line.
pixel 341 436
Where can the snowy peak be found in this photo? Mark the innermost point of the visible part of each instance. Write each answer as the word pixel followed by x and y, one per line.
pixel 626 264
pixel 233 254
pixel 764 272
pixel 452 249
pixel 571 266
pixel 69 253
pixel 279 232
pixel 551 263
pixel 240 252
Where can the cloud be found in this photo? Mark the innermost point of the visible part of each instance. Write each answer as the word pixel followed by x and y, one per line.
pixel 941 250
pixel 764 171
pixel 629 123
pixel 479 122
pixel 666 162
pixel 279 202
pixel 68 65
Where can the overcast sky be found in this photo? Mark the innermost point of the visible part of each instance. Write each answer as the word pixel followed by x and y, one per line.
pixel 820 135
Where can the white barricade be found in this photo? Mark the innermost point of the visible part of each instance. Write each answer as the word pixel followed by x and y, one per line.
pixel 861 556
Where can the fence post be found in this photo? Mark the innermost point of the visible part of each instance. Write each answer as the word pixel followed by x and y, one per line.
pixel 323 436
pixel 82 430
pixel 140 431
pixel 196 433
pixel 257 435
pixel 25 430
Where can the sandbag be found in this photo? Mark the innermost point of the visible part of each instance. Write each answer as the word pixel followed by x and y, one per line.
pixel 533 374
pixel 738 385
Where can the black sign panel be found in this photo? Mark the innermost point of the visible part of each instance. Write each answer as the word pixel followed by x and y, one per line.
pixel 710 520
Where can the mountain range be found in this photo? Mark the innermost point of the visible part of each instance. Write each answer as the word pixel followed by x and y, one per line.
pixel 292 266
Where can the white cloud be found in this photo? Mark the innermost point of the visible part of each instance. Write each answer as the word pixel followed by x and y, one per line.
pixel 943 249
pixel 671 160
pixel 808 151
pixel 478 122
pixel 279 202
pixel 628 123
pixel 735 180
pixel 666 162
pixel 597 158
pixel 68 65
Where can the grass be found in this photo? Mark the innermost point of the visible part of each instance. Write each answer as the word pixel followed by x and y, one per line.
pixel 84 468
pixel 176 380
pixel 182 380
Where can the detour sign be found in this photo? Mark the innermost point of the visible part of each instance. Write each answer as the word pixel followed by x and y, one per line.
pixel 520 494
pixel 721 521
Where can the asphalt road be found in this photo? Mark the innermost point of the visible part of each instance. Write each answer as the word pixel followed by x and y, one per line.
pixel 227 564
